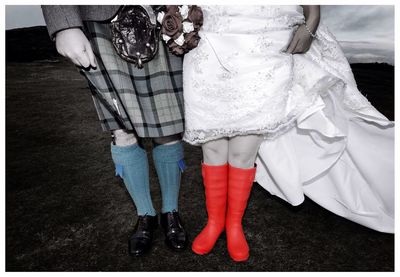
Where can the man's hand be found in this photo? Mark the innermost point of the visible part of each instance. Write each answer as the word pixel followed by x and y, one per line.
pixel 73 44
pixel 301 41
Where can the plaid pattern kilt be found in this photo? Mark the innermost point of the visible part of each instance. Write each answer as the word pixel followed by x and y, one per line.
pixel 147 100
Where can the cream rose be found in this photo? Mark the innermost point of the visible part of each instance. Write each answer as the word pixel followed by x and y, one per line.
pixel 160 17
pixel 184 11
pixel 166 38
pixel 187 27
pixel 180 40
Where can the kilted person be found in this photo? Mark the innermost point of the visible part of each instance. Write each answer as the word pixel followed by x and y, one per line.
pixel 131 103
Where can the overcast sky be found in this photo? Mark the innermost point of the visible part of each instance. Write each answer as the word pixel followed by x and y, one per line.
pixel 366 33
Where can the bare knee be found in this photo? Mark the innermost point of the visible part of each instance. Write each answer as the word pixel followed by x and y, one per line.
pixel 215 153
pixel 241 158
pixel 124 137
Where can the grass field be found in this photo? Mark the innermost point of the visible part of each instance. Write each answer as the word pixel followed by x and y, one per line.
pixel 66 211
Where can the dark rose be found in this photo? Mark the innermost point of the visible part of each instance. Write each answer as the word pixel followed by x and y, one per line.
pixel 196 16
pixel 179 51
pixel 172 25
pixel 192 40
pixel 176 49
pixel 172 9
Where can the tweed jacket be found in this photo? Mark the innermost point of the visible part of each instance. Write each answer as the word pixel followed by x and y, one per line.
pixel 62 17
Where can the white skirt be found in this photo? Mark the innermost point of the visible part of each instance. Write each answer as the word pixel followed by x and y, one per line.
pixel 323 139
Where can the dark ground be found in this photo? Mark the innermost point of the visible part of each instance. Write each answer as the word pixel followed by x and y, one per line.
pixel 65 210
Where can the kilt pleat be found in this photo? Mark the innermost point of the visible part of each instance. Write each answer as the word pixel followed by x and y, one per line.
pixel 148 100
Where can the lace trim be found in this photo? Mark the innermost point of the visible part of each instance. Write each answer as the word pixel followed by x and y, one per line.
pixel 272 131
pixel 197 137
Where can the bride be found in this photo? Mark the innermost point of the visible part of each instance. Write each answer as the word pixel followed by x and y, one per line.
pixel 271 98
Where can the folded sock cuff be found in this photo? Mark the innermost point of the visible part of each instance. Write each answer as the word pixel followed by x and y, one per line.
pixel 168 152
pixel 127 154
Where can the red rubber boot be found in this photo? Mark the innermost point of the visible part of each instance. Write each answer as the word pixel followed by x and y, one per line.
pixel 239 187
pixel 215 180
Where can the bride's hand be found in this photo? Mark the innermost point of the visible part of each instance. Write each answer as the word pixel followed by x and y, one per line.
pixel 302 38
pixel 301 41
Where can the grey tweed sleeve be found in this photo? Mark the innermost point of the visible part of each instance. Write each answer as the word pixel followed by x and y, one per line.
pixel 61 17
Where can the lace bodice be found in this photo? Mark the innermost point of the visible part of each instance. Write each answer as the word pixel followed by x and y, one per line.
pixel 229 19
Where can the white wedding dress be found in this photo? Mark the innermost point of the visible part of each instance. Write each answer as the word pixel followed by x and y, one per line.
pixel 323 139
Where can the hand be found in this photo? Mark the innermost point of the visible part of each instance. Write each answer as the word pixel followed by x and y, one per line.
pixel 301 41
pixel 73 44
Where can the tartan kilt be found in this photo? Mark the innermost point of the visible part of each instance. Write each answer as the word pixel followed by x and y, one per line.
pixel 148 100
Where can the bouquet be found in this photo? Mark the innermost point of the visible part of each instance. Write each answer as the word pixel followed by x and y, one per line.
pixel 180 26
